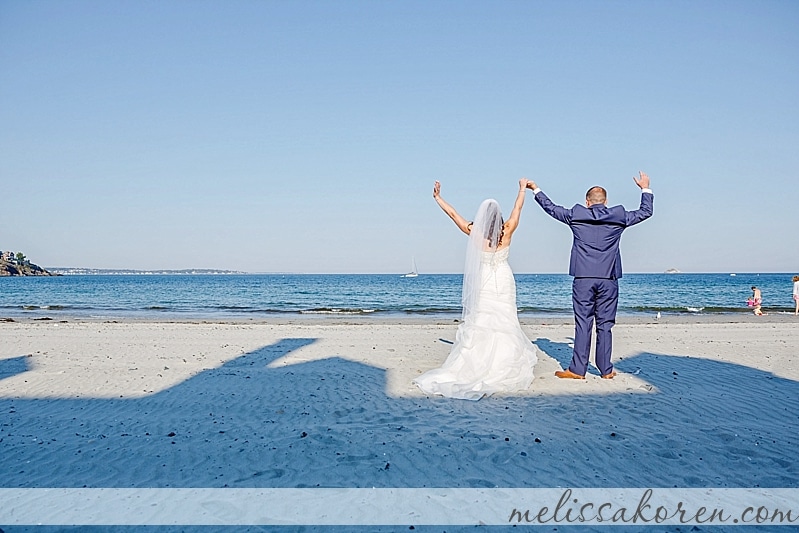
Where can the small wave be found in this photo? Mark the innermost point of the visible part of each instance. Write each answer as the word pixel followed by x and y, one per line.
pixel 687 309
pixel 543 310
pixel 45 307
pixel 431 311
pixel 255 310
pixel 336 311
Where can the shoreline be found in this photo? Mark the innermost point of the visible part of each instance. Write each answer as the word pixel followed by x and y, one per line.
pixel 366 319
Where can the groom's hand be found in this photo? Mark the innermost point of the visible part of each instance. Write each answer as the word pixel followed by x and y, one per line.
pixel 531 185
pixel 642 180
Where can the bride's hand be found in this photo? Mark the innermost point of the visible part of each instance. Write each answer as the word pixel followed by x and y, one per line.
pixel 524 183
pixel 436 190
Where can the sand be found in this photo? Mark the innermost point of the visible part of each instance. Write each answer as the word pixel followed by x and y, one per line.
pixel 699 402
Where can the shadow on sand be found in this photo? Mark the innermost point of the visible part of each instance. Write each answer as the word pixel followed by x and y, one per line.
pixel 329 423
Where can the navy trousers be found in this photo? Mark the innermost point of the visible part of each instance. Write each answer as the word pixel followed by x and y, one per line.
pixel 594 299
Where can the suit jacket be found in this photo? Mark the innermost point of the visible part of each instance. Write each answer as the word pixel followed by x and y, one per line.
pixel 597 232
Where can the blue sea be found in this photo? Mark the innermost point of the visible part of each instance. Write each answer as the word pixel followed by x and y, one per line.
pixel 271 295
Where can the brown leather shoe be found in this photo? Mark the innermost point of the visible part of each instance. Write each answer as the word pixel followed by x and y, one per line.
pixel 610 376
pixel 568 374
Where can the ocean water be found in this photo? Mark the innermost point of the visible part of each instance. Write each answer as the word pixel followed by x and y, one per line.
pixel 269 295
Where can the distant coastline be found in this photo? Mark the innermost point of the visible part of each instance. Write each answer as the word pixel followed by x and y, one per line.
pixel 16 264
pixel 78 271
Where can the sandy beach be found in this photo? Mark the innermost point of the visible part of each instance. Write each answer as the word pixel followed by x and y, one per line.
pixel 699 402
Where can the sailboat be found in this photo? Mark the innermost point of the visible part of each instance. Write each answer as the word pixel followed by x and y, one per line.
pixel 413 273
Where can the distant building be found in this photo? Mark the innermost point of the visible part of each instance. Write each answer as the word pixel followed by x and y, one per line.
pixel 8 256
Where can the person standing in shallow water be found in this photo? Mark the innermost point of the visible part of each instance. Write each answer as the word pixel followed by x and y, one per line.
pixel 757 301
pixel 796 294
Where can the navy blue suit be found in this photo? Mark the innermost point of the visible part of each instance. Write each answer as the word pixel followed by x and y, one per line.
pixel 595 265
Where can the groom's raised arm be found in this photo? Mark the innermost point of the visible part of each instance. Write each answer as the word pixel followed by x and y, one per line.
pixel 646 208
pixel 557 212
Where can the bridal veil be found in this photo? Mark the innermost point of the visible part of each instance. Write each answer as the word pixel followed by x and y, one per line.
pixel 485 236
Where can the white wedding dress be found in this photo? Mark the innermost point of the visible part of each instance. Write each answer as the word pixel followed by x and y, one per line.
pixel 491 352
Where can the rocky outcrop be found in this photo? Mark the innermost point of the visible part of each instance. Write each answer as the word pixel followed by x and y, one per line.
pixel 26 268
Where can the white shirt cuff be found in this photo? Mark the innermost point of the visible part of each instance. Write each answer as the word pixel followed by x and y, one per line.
pixel 537 190
pixel 647 190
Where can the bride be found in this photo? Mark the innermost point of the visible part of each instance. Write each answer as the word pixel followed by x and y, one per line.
pixel 491 353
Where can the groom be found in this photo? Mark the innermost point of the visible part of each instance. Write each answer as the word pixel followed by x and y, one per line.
pixel 596 267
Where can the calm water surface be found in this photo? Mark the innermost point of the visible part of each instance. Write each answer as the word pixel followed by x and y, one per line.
pixel 227 296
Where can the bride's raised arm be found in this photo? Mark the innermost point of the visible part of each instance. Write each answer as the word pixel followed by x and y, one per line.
pixel 462 223
pixel 513 220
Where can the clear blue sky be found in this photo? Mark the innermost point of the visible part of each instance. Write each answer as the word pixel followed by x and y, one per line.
pixel 306 136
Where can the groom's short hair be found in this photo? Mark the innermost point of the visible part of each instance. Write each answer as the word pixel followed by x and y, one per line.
pixel 596 195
